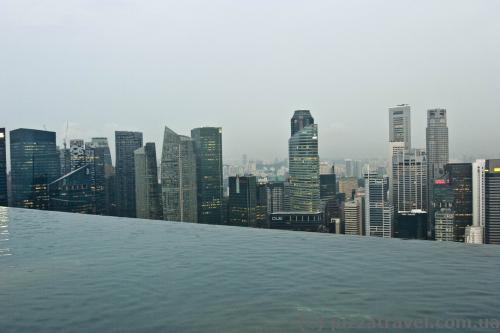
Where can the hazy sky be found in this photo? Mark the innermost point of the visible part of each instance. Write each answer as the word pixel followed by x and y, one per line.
pixel 106 65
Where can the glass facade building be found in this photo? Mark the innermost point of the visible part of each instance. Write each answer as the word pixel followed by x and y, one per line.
pixel 3 169
pixel 208 151
pixel 304 164
pixel 34 164
pixel 242 205
pixel 126 143
pixel 178 178
pixel 147 188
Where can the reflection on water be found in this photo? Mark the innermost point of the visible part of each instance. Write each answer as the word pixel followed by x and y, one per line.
pixel 82 273
pixel 4 232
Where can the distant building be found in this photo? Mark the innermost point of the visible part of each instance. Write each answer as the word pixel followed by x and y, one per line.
pixel 98 153
pixel 400 125
pixel 275 197
pixel 77 154
pixel 353 224
pixel 126 143
pixel 492 201
pixel 147 188
pixel 178 178
pixel 304 163
pixel 454 191
pixel 242 203
pixel 261 206
pixel 379 211
pixel 74 192
pixel 34 164
pixel 475 233
pixel 444 224
pixel 299 221
pixel 437 154
pixel 411 225
pixel 3 169
pixel 208 151
pixel 409 175
pixel 348 186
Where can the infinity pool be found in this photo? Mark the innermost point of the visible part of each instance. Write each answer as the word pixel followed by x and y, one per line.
pixel 80 273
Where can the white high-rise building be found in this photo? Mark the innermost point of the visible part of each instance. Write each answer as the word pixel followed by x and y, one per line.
pixel 353 217
pixel 475 233
pixel 378 211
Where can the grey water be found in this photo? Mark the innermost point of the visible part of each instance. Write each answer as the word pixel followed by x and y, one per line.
pixel 80 273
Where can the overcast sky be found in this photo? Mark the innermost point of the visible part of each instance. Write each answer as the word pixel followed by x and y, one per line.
pixel 106 65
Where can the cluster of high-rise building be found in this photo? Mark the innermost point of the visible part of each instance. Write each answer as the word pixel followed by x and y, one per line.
pixel 418 194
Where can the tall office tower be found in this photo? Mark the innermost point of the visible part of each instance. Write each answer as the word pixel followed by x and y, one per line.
pixel 349 169
pixel 328 194
pixel 348 186
pixel 275 197
pixel 409 186
pixel 300 120
pixel 356 169
pixel 437 154
pixel 3 170
pixel 208 151
pixel 75 192
pixel 105 171
pixel 492 201
pixel 101 147
pixel 178 178
pixel 126 143
pixel 378 211
pixel 242 201
pixel 77 154
pixel 400 125
pixel 304 163
pixel 395 148
pixel 353 217
pixel 147 188
pixel 261 215
pixel 454 191
pixel 475 233
pixel 34 164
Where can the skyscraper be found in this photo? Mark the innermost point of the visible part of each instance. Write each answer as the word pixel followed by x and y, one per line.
pixel 242 201
pixel 178 178
pixel 300 120
pixel 3 169
pixel 77 154
pixel 400 125
pixel 475 233
pixel 378 212
pixel 454 191
pixel 492 201
pixel 34 164
pixel 275 197
pixel 208 151
pixel 105 173
pixel 147 188
pixel 437 154
pixel 409 187
pixel 353 217
pixel 304 163
pixel 126 143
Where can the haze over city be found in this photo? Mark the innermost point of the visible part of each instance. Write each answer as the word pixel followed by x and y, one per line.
pixel 245 66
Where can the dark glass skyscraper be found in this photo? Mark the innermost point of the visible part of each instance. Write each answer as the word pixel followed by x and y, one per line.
pixel 492 201
pixel 34 164
pixel 453 191
pixel 208 151
pixel 3 169
pixel 126 143
pixel 147 188
pixel 300 119
pixel 242 201
pixel 304 163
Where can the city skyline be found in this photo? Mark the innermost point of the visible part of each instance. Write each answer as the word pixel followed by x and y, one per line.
pixel 104 73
